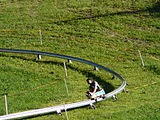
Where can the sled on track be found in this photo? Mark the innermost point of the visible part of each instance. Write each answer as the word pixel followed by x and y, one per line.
pixel 96 95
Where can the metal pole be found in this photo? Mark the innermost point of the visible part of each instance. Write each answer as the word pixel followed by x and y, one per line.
pixel 65 70
pixel 141 58
pixel 6 103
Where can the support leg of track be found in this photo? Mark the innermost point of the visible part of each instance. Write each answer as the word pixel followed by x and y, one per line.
pixel 96 68
pixel 39 57
pixel 113 77
pixel 59 112
pixel 114 97
pixel 69 61
pixel 92 106
pixel 124 90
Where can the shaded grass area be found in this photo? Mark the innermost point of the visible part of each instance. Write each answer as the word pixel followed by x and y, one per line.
pixel 106 32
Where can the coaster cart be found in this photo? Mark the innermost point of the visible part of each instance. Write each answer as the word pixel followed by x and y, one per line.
pixel 99 94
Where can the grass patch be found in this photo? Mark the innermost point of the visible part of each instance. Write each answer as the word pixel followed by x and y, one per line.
pixel 109 33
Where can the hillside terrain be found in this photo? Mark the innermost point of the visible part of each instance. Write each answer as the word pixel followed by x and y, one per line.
pixel 110 33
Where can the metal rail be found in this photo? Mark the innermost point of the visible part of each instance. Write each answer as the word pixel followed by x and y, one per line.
pixel 60 108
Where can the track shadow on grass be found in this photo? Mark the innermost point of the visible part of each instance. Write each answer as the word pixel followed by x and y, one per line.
pixel 154 11
pixel 30 59
pixel 88 73
pixel 16 57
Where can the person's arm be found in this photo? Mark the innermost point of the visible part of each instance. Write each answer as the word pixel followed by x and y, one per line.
pixel 95 87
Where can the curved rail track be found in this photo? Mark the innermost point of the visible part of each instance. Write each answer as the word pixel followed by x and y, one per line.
pixel 65 107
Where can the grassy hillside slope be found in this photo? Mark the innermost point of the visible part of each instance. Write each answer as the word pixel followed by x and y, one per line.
pixel 107 32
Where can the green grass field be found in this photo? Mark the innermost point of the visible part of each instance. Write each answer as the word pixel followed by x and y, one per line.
pixel 106 32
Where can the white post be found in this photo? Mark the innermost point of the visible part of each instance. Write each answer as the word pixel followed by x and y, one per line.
pixel 69 61
pixel 40 36
pixel 96 68
pixel 141 57
pixel 39 57
pixel 67 118
pixel 65 70
pixel 6 103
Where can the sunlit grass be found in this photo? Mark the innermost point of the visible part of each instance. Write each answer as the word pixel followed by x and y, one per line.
pixel 109 33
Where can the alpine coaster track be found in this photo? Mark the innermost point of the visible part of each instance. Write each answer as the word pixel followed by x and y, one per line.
pixel 65 107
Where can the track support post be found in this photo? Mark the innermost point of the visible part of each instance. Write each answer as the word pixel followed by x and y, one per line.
pixel 39 57
pixel 124 90
pixel 69 61
pixel 113 77
pixel 92 106
pixel 114 97
pixel 96 68
pixel 59 112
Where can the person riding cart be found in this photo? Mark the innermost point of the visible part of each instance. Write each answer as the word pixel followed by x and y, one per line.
pixel 94 90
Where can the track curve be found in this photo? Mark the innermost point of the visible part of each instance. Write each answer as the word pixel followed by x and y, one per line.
pixel 66 106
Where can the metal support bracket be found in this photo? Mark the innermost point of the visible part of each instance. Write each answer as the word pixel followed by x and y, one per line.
pixel 92 106
pixel 113 77
pixel 39 57
pixel 69 61
pixel 124 90
pixel 96 68
pixel 59 112
pixel 114 97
